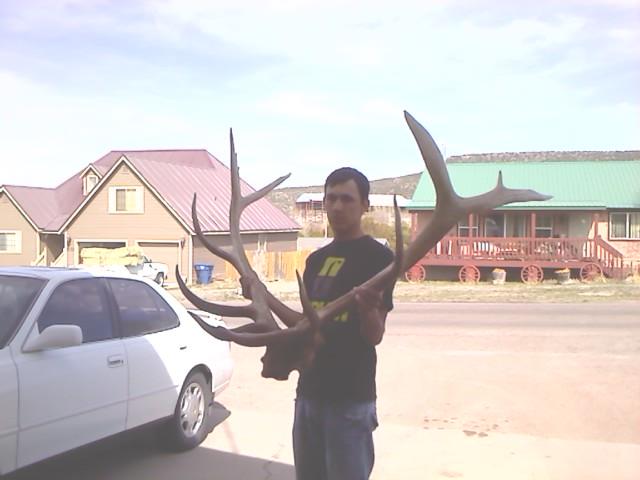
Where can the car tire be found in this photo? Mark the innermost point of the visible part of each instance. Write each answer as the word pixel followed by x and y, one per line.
pixel 160 279
pixel 189 425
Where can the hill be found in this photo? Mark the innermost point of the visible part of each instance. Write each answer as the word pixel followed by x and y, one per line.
pixel 285 198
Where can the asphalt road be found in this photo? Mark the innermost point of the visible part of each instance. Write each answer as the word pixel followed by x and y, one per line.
pixel 479 315
pixel 471 391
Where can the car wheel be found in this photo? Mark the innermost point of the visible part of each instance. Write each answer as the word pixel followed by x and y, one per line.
pixel 189 425
pixel 160 279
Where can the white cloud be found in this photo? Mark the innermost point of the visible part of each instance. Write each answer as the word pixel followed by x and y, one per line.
pixel 306 106
pixel 481 77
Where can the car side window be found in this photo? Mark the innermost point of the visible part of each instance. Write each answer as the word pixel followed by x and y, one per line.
pixel 81 302
pixel 142 310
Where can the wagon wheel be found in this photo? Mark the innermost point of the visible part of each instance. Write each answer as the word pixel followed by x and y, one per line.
pixel 531 274
pixel 417 273
pixel 469 274
pixel 590 272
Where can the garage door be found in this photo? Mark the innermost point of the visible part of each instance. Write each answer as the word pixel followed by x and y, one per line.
pixel 162 252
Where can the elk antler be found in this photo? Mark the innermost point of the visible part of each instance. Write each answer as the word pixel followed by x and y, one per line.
pixel 294 348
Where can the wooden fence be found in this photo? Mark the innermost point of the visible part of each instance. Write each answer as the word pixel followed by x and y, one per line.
pixel 272 265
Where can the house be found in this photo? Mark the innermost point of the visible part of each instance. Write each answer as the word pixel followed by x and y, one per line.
pixel 136 198
pixel 591 225
pixel 310 213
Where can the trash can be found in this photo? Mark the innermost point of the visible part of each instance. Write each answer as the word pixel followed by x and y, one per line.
pixel 203 272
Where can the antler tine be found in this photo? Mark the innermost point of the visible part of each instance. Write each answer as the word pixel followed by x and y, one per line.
pixel 258 310
pixel 450 207
pixel 239 203
pixel 216 308
pixel 248 311
pixel 399 257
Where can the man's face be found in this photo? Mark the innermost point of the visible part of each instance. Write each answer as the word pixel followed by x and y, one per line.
pixel 344 208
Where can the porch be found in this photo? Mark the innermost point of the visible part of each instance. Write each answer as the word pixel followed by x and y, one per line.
pixel 529 241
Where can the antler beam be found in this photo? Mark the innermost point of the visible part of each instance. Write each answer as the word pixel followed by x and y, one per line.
pixel 294 348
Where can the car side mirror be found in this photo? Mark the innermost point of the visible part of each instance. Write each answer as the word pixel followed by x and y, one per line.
pixel 54 336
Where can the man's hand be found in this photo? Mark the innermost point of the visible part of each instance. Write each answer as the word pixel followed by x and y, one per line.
pixel 372 313
pixel 367 299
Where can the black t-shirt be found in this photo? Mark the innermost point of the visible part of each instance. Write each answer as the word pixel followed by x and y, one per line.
pixel 345 365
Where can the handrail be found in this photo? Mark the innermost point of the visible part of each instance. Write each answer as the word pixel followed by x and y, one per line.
pixel 59 261
pixel 39 259
pixel 610 256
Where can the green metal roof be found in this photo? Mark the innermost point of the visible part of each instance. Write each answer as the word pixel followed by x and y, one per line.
pixel 576 185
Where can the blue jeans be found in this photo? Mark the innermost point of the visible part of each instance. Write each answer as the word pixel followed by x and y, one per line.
pixel 333 442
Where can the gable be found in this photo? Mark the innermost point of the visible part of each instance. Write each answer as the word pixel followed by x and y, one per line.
pixel 11 209
pixel 99 219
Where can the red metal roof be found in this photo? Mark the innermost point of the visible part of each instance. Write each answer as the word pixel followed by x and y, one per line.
pixel 175 175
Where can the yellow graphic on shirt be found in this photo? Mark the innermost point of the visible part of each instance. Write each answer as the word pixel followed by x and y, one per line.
pixel 331 267
pixel 318 304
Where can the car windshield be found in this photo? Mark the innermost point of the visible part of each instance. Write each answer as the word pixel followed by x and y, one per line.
pixel 16 296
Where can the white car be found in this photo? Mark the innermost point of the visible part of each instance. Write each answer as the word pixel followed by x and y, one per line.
pixel 85 355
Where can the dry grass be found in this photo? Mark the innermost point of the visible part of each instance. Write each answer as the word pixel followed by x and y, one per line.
pixel 511 292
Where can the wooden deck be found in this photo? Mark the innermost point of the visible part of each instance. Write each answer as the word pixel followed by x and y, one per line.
pixel 521 252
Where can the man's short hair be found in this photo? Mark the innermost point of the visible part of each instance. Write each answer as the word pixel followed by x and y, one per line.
pixel 344 174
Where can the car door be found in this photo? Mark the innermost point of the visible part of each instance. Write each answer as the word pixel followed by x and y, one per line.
pixel 9 409
pixel 158 353
pixel 75 395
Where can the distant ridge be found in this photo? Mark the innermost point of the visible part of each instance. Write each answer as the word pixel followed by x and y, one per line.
pixel 285 198
pixel 551 156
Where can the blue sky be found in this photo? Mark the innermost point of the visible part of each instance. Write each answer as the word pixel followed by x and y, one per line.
pixel 309 86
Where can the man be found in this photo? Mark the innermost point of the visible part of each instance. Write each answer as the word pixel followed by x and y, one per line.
pixel 335 412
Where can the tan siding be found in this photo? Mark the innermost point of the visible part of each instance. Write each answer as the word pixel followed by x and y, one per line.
pixel 95 222
pixel 282 241
pixel 629 248
pixel 12 219
pixel 276 242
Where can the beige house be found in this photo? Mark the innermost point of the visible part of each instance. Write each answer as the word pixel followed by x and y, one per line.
pixel 136 198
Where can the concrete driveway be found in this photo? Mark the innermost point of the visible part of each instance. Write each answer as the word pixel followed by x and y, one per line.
pixel 470 391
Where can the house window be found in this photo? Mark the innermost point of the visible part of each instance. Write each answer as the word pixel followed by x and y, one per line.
pixel 126 200
pixel 624 225
pixel 10 242
pixel 544 226
pixel 464 230
pixel 90 181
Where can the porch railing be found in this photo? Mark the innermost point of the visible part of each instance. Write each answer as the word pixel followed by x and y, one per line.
pixel 534 249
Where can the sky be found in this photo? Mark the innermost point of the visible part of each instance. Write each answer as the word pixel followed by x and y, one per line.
pixel 310 86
